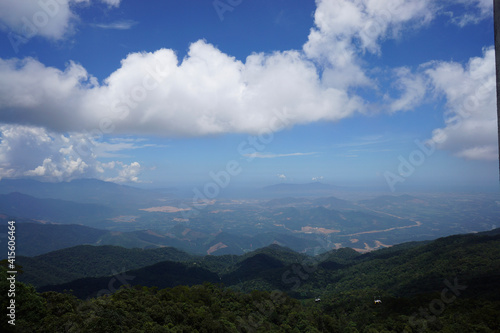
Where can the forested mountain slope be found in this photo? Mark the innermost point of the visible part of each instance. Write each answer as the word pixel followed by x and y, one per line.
pixel 403 270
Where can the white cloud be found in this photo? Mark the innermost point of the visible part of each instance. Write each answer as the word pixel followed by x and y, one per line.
pixel 471 124
pixel 30 92
pixel 281 176
pixel 118 25
pixel 112 148
pixel 32 151
pixel 51 19
pixel 127 174
pixel 27 151
pixel 488 153
pixel 475 12
pixel 345 29
pixel 271 155
pixel 112 3
pixel 209 92
pixel 66 168
pixel 413 88
pixel 364 141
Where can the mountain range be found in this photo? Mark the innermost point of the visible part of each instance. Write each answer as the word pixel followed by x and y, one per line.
pixel 89 191
pixel 400 271
pixel 37 238
pixel 52 216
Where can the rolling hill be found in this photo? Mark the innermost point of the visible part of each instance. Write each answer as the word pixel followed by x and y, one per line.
pixel 401 271
pixel 81 261
pixel 446 285
pixel 37 238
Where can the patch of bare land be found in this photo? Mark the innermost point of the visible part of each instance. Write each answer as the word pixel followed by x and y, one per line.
pixel 240 202
pixel 165 209
pixel 216 247
pixel 368 248
pixel 314 230
pixel 204 202
pixel 417 224
pixel 124 218
pixel 150 232
pixel 380 244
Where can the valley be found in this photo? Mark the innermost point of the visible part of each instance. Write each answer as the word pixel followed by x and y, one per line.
pixel 306 221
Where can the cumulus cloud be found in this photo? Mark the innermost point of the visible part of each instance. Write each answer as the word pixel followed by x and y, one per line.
pixel 48 111
pixel 127 174
pixel 27 151
pixel 31 92
pixel 470 129
pixel 208 92
pixel 51 19
pixel 346 29
pixel 413 87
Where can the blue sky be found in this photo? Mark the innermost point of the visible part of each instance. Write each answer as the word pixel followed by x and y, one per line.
pixel 390 94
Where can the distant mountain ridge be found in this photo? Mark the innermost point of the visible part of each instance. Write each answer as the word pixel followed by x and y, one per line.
pixel 304 221
pixel 51 210
pixel 447 285
pixel 403 270
pixel 90 190
pixel 37 238
pixel 92 261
